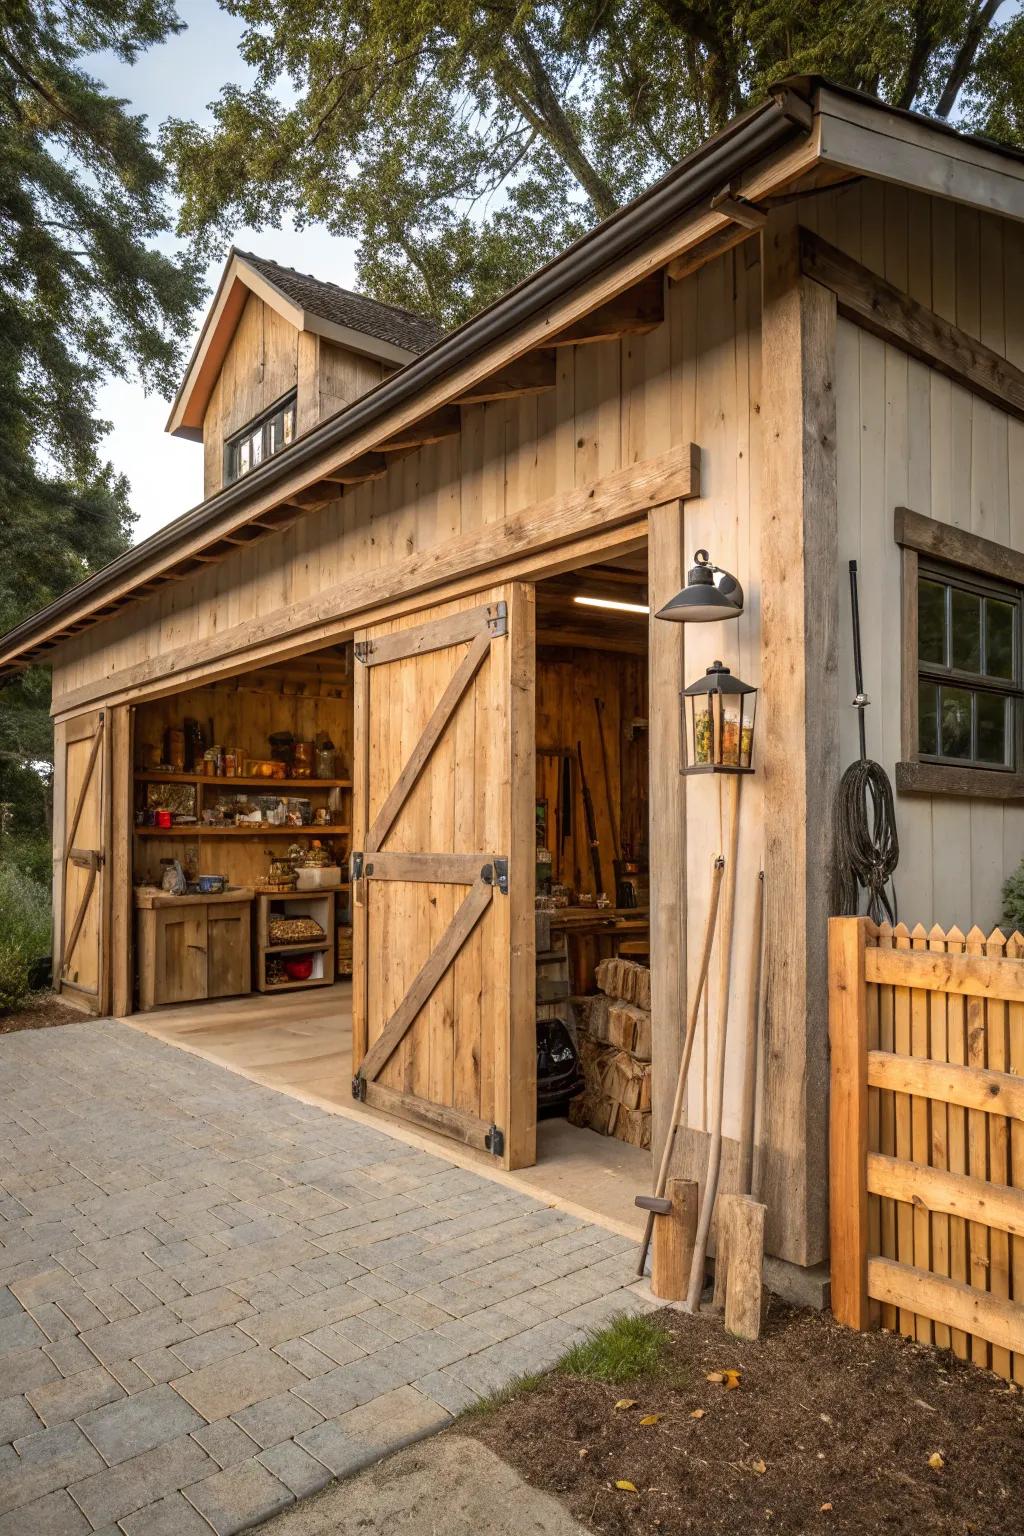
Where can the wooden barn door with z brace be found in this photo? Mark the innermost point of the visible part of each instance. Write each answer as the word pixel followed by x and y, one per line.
pixel 444 872
pixel 81 969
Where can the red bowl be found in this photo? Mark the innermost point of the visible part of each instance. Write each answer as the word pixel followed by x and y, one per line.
pixel 299 967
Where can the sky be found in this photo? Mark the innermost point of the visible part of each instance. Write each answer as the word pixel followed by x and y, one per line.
pixel 179 79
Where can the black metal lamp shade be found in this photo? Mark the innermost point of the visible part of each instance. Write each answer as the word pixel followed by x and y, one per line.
pixel 710 594
pixel 718 723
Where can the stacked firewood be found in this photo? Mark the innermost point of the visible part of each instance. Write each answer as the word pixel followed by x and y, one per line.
pixel 614 1038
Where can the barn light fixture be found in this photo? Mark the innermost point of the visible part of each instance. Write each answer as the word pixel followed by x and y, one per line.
pixel 718 723
pixel 710 593
pixel 611 602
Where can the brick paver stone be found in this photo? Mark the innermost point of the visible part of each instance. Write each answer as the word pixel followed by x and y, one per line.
pixel 214 1298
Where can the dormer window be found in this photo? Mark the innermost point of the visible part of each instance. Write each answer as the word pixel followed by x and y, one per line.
pixel 260 439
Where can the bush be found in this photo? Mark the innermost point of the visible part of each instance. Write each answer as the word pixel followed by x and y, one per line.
pixel 24 931
pixel 1013 898
pixel 13 976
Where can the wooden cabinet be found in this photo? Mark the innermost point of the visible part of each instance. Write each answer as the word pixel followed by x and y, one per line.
pixel 193 947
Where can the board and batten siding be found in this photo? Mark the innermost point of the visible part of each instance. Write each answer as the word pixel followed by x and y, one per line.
pixel 695 378
pixel 907 436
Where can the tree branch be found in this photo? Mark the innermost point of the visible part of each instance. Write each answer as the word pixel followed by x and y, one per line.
pixel 966 54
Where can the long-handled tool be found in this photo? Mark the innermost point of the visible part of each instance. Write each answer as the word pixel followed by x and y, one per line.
pixel 591 821
pixel 700 1250
pixel 612 818
pixel 656 1204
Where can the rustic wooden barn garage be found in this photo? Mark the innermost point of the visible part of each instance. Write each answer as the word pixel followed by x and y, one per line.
pixel 813 321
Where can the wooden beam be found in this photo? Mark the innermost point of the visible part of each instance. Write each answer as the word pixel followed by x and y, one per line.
pixel 962 975
pixel 892 315
pixel 978 1088
pixel 944 541
pixel 529 375
pixel 536 532
pixel 432 428
pixel 699 256
pixel 948 1301
pixel 369 466
pixel 798 762
pixel 636 310
pixel 739 210
pixel 951 1194
pixel 848 1120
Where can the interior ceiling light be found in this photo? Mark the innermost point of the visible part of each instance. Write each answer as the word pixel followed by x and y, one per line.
pixel 710 593
pixel 613 603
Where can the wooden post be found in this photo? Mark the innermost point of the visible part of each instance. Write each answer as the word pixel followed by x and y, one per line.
pixel 748 1114
pixel 673 1241
pixel 742 1220
pixel 667 567
pixel 797 750
pixel 848 1136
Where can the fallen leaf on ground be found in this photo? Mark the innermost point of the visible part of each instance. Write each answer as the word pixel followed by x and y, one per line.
pixel 626 1485
pixel 936 1461
pixel 626 1402
pixel 716 1377
pixel 584 1451
pixel 652 1418
pixel 732 1380
pixel 698 1413
pixel 758 1466
pixel 826 1509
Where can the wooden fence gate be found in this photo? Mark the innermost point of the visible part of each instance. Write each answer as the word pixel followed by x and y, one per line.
pixel 443 1019
pixel 927 1136
pixel 83 826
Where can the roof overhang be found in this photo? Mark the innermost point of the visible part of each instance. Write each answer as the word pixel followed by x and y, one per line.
pixel 238 280
pixel 807 135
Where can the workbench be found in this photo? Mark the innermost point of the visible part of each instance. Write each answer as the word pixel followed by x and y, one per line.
pixel 592 933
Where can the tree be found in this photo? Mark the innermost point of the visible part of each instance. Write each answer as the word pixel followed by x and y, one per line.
pixel 463 143
pixel 83 296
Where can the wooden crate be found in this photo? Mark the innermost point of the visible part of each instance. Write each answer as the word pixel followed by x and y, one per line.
pixel 316 904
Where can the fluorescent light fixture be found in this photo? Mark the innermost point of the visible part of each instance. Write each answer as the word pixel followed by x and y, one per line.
pixel 611 602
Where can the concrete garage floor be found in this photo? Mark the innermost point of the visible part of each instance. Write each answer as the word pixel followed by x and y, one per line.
pixel 215 1298
pixel 301 1042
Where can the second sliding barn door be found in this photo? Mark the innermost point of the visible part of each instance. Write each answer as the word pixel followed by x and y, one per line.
pixel 443 1015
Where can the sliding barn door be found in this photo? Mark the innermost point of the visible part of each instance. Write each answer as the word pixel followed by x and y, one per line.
pixel 82 833
pixel 444 871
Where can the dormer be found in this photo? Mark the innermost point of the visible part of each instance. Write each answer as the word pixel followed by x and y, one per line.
pixel 278 352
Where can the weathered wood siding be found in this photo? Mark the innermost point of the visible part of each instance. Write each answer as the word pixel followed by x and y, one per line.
pixel 909 437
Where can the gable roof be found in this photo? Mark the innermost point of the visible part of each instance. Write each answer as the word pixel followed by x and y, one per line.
pixel 384 331
pixel 386 322
pixel 808 132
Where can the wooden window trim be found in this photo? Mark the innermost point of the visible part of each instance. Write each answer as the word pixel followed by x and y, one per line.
pixel 918 536
pixel 289 398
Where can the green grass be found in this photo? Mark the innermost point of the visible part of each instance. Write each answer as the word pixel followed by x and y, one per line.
pixel 630 1347
pixel 24 930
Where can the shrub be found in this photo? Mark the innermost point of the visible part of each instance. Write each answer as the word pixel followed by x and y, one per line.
pixel 24 931
pixel 13 975
pixel 1013 898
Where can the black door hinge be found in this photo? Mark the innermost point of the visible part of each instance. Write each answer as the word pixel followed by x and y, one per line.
pixel 496 873
pixel 497 619
pixel 363 650
pixel 355 866
pixel 359 1088
pixel 494 1141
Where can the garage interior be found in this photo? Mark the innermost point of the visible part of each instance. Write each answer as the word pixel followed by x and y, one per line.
pixel 592 868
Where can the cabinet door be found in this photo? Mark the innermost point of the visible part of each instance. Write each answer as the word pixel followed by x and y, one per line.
pixel 180 954
pixel 229 962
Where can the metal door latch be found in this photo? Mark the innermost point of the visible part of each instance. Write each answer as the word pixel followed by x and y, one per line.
pixel 494 1141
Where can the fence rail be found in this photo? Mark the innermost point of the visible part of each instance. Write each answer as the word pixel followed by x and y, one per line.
pixel 927 1136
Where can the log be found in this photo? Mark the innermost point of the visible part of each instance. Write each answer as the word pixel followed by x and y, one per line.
pixel 743 1219
pixel 673 1241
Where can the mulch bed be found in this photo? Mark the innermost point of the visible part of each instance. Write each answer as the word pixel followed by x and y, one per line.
pixel 828 1431
pixel 42 1010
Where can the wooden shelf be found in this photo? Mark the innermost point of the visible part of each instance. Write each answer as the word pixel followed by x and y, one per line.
pixel 264 830
pixel 151 777
pixel 293 986
pixel 295 949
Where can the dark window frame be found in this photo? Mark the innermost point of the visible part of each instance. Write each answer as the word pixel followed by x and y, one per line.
pixel 968 562
pixel 263 422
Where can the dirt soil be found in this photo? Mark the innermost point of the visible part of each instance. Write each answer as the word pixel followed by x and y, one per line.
pixel 40 1011
pixel 828 1431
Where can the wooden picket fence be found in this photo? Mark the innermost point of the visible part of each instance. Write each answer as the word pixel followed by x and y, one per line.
pixel 927 1136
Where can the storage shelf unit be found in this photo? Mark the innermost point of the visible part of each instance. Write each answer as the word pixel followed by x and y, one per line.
pixel 316 904
pixel 252 829
pixel 246 782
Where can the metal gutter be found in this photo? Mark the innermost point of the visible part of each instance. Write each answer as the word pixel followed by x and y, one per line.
pixel 748 139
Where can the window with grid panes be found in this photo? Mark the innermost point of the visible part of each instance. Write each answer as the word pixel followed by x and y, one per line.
pixel 969 670
pixel 260 439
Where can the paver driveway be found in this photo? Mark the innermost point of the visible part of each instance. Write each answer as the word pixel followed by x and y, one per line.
pixel 214 1298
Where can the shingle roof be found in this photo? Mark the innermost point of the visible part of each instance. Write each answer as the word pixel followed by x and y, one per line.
pixel 387 322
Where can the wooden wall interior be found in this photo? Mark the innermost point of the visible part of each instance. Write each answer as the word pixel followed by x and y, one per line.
pixel 267 358
pixel 307 697
pixel 910 437
pixel 608 663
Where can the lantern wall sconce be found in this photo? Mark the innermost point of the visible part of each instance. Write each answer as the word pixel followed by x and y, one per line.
pixel 710 594
pixel 718 723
